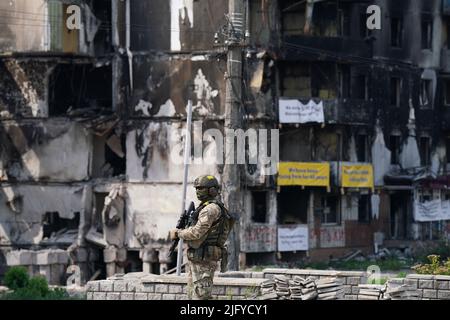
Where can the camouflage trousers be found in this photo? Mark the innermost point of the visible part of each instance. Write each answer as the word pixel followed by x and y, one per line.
pixel 200 279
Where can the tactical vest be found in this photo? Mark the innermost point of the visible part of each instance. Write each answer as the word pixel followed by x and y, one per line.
pixel 213 246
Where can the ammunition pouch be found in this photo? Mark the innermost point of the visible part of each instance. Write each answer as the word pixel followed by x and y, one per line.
pixel 224 260
pixel 204 253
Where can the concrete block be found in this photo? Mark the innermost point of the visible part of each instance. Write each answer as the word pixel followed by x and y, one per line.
pixel 173 288
pixel 126 296
pixel 106 285
pixel 93 286
pixel 134 286
pixel 46 272
pixel 161 288
pixel 90 296
pixel 155 296
pixel 413 283
pixel 21 258
pixel 109 255
pixel 426 284
pixel 110 269
pixel 150 288
pixel 113 296
pixel 234 291
pixel 99 295
pixel 181 297
pixel 168 296
pixel 121 255
pixel 444 294
pixel 120 286
pixel 141 296
pixel 61 256
pixel 353 281
pixel 81 255
pixel 355 290
pixel 432 294
pixel 347 289
pixel 219 290
pixel 442 285
pixel 420 276
pixel 223 298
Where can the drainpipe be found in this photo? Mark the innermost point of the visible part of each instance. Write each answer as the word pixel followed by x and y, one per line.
pixel 128 42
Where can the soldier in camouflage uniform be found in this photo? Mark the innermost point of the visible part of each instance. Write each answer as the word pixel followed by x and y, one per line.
pixel 205 237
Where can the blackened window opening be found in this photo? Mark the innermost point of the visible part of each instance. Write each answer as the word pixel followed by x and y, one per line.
pixel 259 206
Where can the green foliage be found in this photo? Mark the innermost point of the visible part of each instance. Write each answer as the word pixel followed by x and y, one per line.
pixel 442 250
pixel 380 281
pixel 16 278
pixel 35 288
pixel 434 267
pixel 401 275
pixel 38 286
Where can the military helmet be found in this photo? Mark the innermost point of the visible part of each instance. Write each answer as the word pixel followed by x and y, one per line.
pixel 206 181
pixel 207 187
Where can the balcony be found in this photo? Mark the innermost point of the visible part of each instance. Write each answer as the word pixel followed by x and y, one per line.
pixel 327 48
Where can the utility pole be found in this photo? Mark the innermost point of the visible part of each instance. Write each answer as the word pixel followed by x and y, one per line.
pixel 231 174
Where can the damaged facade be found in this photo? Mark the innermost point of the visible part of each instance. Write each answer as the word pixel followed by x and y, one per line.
pixel 92 126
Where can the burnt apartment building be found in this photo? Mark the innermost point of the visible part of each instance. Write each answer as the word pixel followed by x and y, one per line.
pixel 92 128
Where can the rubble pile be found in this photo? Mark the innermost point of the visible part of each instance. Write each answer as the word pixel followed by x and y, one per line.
pixel 372 292
pixel 330 289
pixel 268 290
pixel 403 292
pixel 298 288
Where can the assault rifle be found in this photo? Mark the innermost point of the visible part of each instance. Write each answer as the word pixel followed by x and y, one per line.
pixel 183 222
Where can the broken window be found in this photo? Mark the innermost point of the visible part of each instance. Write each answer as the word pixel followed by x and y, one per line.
pixel 323 80
pixel 427 33
pixel 396 32
pixel 446 38
pixel 361 148
pixel 425 93
pixel 425 151
pixel 293 205
pixel 364 32
pixel 329 209
pixel 394 146
pixel 447 149
pixel 344 21
pixel 364 209
pixel 447 92
pixel 293 17
pixel 259 206
pixel 109 158
pixel 395 90
pixel 79 86
pixel 295 80
pixel 360 87
pixel 344 81
pixel 53 224
pixel 325 18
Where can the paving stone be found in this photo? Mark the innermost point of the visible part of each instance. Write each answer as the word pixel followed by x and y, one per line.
pixel 442 285
pixel 429 294
pixel 113 296
pixel 127 296
pixel 141 296
pixel 99 296
pixel 106 285
pixel 120 286
pixel 161 288
pixel 444 294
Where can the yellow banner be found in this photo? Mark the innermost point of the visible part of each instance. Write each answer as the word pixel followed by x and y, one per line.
pixel 304 174
pixel 357 176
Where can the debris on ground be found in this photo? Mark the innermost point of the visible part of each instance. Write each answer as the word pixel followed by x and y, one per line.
pixel 372 292
pixel 282 288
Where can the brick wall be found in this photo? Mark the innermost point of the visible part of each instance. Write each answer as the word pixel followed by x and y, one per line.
pixel 428 287
pixel 143 286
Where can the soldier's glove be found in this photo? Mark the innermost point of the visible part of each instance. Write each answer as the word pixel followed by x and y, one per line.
pixel 173 234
